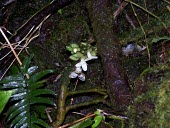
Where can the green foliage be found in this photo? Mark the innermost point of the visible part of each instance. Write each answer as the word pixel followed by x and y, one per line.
pixel 4 97
pixel 79 52
pixel 30 98
pixel 155 40
pixel 100 116
pixel 161 116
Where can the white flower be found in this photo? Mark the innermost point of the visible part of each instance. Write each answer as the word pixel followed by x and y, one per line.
pixel 90 57
pixel 82 64
pixel 78 70
pixel 73 75
pixel 81 75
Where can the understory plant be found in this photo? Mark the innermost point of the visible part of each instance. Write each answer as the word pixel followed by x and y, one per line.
pixel 30 97
pixel 94 120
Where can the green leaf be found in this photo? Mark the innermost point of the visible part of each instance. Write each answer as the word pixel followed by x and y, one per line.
pixel 168 52
pixel 11 79
pixel 69 48
pixel 40 111
pixel 23 123
pixel 28 95
pixel 38 76
pixel 60 11
pixel 155 40
pixel 41 100
pixel 78 55
pixel 16 106
pixel 72 57
pixel 86 123
pixel 97 121
pixel 35 120
pixel 18 96
pixel 20 120
pixel 17 112
pixel 74 45
pixel 37 85
pixel 25 64
pixel 32 69
pixel 14 69
pixel 97 112
pixel 4 97
pixel 41 92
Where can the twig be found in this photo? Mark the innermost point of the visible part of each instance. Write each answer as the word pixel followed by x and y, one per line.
pixel 28 39
pixel 12 49
pixel 120 9
pixel 64 126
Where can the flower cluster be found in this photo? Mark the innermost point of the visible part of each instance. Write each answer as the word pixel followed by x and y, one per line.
pixel 85 53
pixel 82 66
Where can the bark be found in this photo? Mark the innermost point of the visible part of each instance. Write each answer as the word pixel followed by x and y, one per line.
pixel 108 45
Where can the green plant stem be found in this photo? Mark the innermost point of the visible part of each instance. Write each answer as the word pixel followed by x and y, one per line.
pixel 130 1
pixel 95 101
pixel 95 90
pixel 147 47
pixel 62 109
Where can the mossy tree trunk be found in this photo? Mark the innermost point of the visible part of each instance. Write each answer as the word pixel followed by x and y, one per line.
pixel 108 45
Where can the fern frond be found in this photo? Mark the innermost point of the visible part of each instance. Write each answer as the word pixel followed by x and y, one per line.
pixel 28 93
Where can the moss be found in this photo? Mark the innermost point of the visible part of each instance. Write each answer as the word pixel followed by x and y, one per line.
pixel 150 106
pixel 161 115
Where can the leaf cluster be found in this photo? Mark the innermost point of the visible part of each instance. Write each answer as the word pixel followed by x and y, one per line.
pixel 30 98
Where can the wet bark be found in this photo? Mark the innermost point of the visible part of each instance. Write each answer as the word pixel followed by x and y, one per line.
pixel 108 45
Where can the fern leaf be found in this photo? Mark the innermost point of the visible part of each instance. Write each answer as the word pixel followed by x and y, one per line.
pixel 37 85
pixel 15 106
pixel 39 122
pixel 41 100
pixel 39 92
pixel 39 75
pixel 28 96
pixel 26 63
pixel 20 111
pixel 31 70
pixel 13 78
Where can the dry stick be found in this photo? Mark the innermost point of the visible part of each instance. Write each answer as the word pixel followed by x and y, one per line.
pixel 12 49
pixel 28 40
pixel 64 126
pixel 31 32
pixel 18 43
pixel 120 8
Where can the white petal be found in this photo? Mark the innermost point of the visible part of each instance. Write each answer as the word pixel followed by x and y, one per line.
pixel 139 48
pixel 73 75
pixel 94 57
pixel 78 70
pixel 82 77
pixel 89 54
pixel 90 57
pixel 84 67
pixel 78 65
